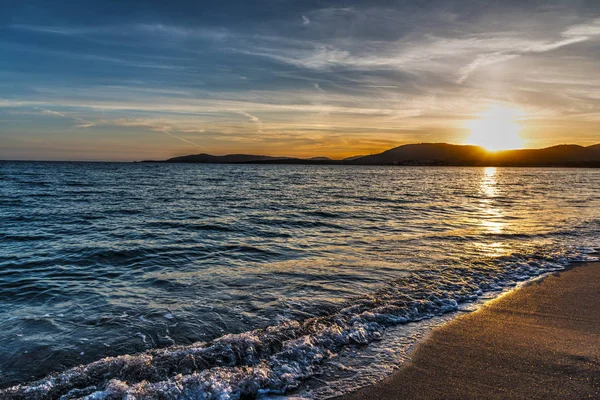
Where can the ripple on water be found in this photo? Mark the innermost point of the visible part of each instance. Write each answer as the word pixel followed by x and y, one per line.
pixel 107 250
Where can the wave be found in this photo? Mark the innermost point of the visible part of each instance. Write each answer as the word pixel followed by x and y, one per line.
pixel 189 226
pixel 278 358
pixel 24 237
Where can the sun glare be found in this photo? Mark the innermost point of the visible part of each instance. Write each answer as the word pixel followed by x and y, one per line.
pixel 496 129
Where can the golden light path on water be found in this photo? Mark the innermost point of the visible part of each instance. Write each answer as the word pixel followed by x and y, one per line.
pixel 491 215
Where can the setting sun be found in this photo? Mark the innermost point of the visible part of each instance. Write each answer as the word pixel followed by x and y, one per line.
pixel 496 129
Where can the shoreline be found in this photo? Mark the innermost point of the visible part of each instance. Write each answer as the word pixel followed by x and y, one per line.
pixel 540 340
pixel 138 383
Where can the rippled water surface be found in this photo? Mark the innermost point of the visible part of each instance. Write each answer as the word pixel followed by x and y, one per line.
pixel 102 260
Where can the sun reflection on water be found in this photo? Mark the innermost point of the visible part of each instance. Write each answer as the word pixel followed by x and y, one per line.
pixel 491 215
pixel 489 182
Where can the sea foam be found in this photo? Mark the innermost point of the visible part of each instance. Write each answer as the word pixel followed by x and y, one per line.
pixel 277 358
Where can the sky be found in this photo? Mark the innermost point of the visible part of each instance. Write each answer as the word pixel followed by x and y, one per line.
pixel 131 80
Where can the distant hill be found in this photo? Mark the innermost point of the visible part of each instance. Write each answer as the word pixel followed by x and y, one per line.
pixel 426 153
pixel 352 158
pixel 431 154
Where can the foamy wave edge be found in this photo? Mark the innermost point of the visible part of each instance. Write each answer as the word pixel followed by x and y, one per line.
pixel 277 358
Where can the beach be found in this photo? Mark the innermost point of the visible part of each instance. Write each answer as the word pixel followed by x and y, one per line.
pixel 539 341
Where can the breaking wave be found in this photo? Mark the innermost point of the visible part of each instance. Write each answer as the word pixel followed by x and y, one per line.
pixel 276 359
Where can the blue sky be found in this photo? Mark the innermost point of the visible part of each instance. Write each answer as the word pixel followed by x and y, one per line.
pixel 129 80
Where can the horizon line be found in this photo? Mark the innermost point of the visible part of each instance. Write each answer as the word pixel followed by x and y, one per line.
pixel 295 157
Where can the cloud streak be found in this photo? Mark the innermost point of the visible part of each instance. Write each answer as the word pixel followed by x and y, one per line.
pixel 182 139
pixel 82 123
pixel 572 35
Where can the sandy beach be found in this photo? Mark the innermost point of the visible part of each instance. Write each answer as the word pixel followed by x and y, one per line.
pixel 540 341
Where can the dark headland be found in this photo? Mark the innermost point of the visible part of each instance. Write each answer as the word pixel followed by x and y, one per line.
pixel 432 154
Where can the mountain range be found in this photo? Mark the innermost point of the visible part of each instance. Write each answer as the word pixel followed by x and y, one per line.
pixel 430 154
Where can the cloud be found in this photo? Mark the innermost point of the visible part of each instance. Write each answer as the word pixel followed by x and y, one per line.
pixel 82 123
pixel 50 112
pixel 249 116
pixel 127 30
pixel 254 119
pixel 483 60
pixel 418 52
pixel 572 35
pixel 181 139
pixel 169 123
pixel 182 32
pixel 589 29
pixel 61 30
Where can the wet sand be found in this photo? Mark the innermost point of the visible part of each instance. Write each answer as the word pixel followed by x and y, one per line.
pixel 541 341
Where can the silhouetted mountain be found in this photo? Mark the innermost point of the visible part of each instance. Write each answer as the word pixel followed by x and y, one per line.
pixel 425 153
pixel 353 158
pixel 563 155
pixel 432 154
pixel 448 154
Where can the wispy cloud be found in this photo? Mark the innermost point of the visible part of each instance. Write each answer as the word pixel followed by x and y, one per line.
pixel 63 30
pixel 182 139
pixel 126 30
pixel 45 111
pixel 126 61
pixel 253 118
pixel 81 122
pixel 420 53
pixel 572 35
pixel 587 29
pixel 249 116
pixel 183 32
pixel 84 123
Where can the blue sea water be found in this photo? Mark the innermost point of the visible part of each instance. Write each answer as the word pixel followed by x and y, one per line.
pixel 229 280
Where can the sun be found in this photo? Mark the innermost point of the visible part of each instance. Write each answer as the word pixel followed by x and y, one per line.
pixel 496 129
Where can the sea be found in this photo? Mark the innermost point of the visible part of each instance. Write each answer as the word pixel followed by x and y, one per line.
pixel 214 281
